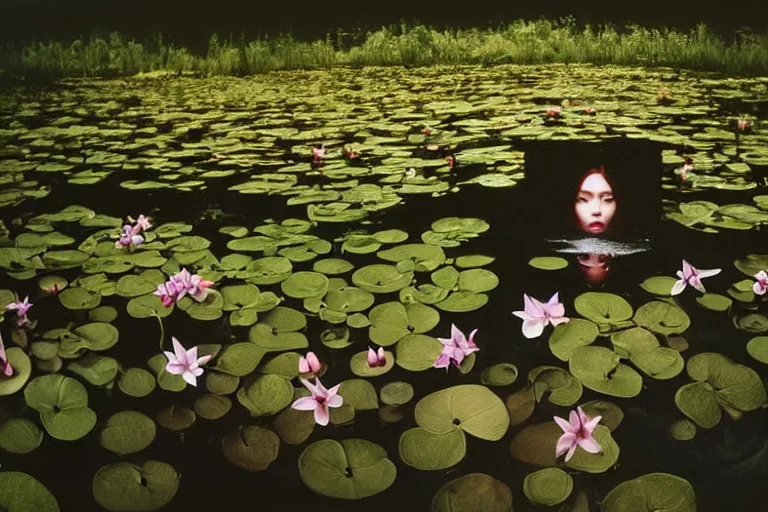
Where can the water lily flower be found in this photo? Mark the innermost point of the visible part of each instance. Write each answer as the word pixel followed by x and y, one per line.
pixel 577 432
pixel 536 315
pixel 129 238
pixel 181 284
pixel 553 112
pixel 166 292
pixel 350 153
pixel 320 400
pixel 318 153
pixel 142 224
pixel 455 348
pixel 742 124
pixel 309 364
pixel 590 111
pixel 761 286
pixel 21 308
pixel 376 358
pixel 5 366
pixel 451 161
pixel 426 131
pixel 691 276
pixel 185 362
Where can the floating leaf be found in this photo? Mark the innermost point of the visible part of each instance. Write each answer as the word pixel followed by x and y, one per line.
pixel 294 427
pixel 381 278
pixel 651 492
pixel 462 302
pixel 548 263
pixel 63 406
pixel 644 351
pixel 474 409
pixel 683 430
pixel 136 382
pixel 176 418
pixel 360 367
pixel 425 257
pixel 359 394
pixel 391 321
pixel 212 407
pixel 76 298
pixel 19 435
pixel 347 469
pixel 396 393
pixel 662 317
pixel 476 492
pixel 301 285
pixel 417 352
pixel 567 337
pixel 548 487
pixel 501 374
pixel 266 395
pixel 332 266
pixel 714 301
pixel 753 322
pixel 427 451
pixel 659 285
pixel 127 432
pixel 19 492
pixel 97 370
pixel 22 369
pixel 124 487
pixel 239 359
pixel 520 405
pixel 251 448
pixel 757 347
pixel 612 415
pixel 599 369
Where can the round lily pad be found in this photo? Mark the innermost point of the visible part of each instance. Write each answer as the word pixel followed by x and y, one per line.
pixel 567 337
pixel 426 257
pixel 268 270
pixel 19 435
pixel 22 369
pixel 301 285
pixel 146 306
pixel 391 321
pixel 239 359
pixel 360 367
pixel 77 298
pixel 293 426
pixel 753 322
pixel 266 395
pixel 683 430
pixel 548 263
pixel 176 418
pixel 474 409
pixel 474 260
pixel 136 382
pixel 599 369
pixel 212 407
pixel 501 374
pixel 651 492
pixel 63 406
pixel 52 284
pixel 714 301
pixel 662 317
pixel 476 492
pixel 221 383
pixel 19 492
pixel 124 487
pixel 102 314
pixel 548 486
pixel 427 451
pixel 417 352
pixel 381 278
pixel 128 432
pixel 332 266
pixel 611 414
pixel 462 302
pixel 348 469
pixel 239 297
pixel 602 308
pixel 251 448
pixel 659 285
pixel 396 393
pixel 757 347
pixel 359 394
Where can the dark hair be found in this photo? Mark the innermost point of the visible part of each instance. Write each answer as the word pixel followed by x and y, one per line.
pixel 596 169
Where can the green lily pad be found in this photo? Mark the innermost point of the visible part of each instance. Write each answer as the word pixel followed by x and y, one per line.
pixel 752 264
pixel 97 370
pixel 476 492
pixel 63 406
pixel 417 352
pixel 599 369
pixel 166 381
pixel 427 451
pixel 301 285
pixel 176 418
pixel 268 270
pixel 651 492
pixel 147 306
pixel 52 283
pixel 426 258
pixel 567 337
pixel 19 492
pixel 391 321
pixel 102 314
pixel 642 348
pixel 548 486
pixel 209 309
pixel 294 427
pixel 332 266
pixel 240 297
pixel 381 278
pixel 251 448
pixel 662 317
pixel 548 263
pixel 602 308
pixel 360 367
pixel 501 374
pixel 22 369
pixel 714 301
pixel 266 395
pixel 753 322
pixel 221 383
pixel 76 298
pixel 124 487
pixel 462 302
pixel 474 409
pixel 276 330
pixel 683 430
pixel 474 260
pixel 347 469
pixel 612 415
pixel 659 285
pixel 396 393
pixel 19 435
pixel 757 347
pixel 239 359
pixel 212 407
pixel 128 432
pixel 136 382
pixel 359 394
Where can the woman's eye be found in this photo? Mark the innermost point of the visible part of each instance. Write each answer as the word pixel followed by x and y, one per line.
pixel 608 199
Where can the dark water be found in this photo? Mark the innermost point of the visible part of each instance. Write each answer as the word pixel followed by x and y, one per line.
pixel 727 465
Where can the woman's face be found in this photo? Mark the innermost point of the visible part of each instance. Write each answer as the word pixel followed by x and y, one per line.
pixel 595 205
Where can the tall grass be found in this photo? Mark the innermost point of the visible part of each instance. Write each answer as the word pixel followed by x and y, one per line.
pixel 521 42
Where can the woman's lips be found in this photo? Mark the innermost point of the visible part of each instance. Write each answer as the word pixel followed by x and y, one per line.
pixel 596 227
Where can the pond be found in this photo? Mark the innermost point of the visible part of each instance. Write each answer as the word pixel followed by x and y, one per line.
pixel 340 210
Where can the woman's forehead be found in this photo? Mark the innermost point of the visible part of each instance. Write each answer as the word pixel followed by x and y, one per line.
pixel 595 183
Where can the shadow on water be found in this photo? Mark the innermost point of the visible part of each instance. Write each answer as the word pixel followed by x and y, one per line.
pixel 727 464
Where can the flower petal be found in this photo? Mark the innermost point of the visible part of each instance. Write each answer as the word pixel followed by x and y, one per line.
pixel 678 287
pixel 321 415
pixel 336 401
pixel 306 403
pixel 314 362
pixel 571 451
pixel 534 328
pixel 709 273
pixel 565 443
pixel 190 378
pixel 590 445
pixel 181 353
pixel 563 424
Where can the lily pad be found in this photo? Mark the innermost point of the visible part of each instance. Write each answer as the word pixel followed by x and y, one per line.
pixel 359 394
pixel 136 382
pixel 19 435
pixel 128 432
pixel 651 492
pixel 396 393
pixel 599 369
pixel 251 447
pixel 22 369
pixel 63 406
pixel 757 347
pixel 659 285
pixel 476 492
pixel 124 487
pixel 301 285
pixel 548 487
pixel 567 337
pixel 714 301
pixel 266 395
pixel 683 430
pixel 662 317
pixel 176 418
pixel 360 367
pixel 347 469
pixel 548 263
pixel 603 308
pixel 19 492
pixel 474 409
pixel 417 352
pixel 391 321
pixel 381 278
pixel 501 374
pixel 427 451
pixel 212 407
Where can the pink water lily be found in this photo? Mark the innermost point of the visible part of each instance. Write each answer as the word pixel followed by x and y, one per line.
pixel 129 238
pixel 690 275
pixel 21 308
pixel 142 223
pixel 318 153
pixel 742 124
pixel 181 284
pixel 5 365
pixel 536 315
pixel 760 287
pixel 455 348
pixel 185 362
pixel 577 432
pixel 376 358
pixel 320 400
pixel 309 364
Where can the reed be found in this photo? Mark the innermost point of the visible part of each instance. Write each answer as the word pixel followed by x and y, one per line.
pixel 521 42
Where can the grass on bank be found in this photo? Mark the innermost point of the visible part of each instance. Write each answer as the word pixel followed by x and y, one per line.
pixel 521 42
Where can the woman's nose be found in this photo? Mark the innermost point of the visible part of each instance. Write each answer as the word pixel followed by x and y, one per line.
pixel 596 209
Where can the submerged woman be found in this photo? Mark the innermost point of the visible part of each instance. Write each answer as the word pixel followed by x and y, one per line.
pixel 595 205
